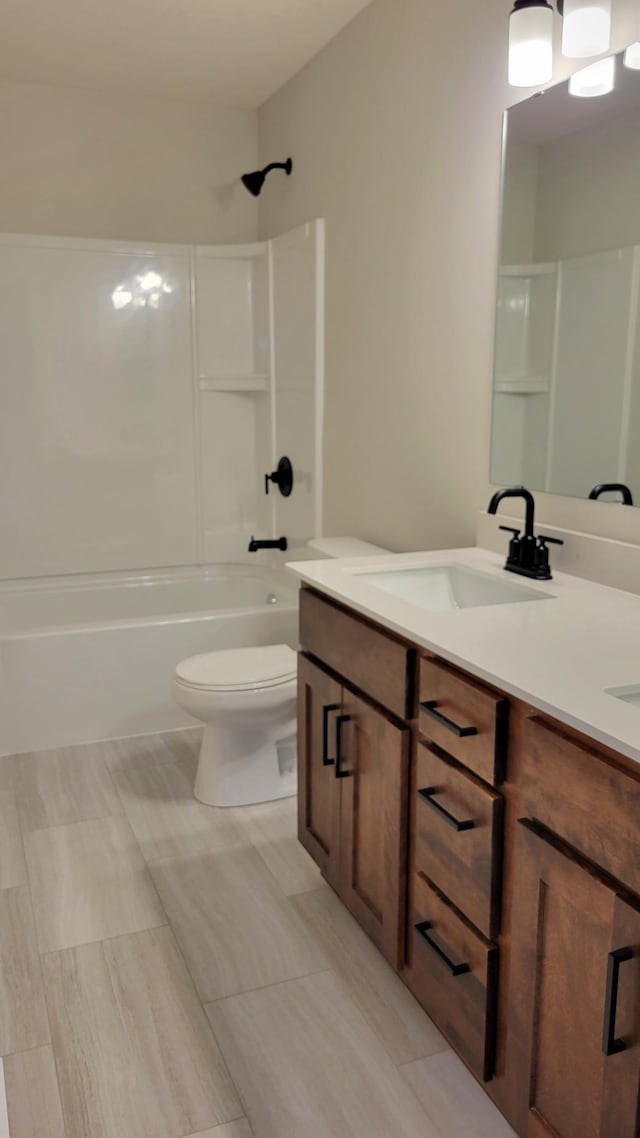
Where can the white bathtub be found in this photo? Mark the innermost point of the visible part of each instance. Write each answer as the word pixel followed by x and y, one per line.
pixel 92 657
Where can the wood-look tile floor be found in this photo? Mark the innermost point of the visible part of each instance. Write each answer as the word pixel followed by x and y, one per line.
pixel 168 970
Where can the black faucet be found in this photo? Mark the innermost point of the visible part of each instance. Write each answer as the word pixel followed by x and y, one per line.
pixel 528 554
pixel 281 543
pixel 609 487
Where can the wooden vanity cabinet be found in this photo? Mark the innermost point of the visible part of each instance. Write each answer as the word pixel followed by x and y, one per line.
pixel 493 855
pixel 574 1001
pixel 353 763
pixel 319 791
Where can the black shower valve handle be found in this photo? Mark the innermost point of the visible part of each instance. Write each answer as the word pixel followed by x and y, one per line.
pixel 282 477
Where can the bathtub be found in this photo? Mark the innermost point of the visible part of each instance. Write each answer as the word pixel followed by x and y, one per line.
pixel 92 657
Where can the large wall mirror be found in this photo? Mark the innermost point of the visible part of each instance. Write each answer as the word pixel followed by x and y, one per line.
pixel 566 406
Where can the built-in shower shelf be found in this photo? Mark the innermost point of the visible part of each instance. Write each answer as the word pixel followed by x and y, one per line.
pixel 534 385
pixel 249 381
pixel 541 269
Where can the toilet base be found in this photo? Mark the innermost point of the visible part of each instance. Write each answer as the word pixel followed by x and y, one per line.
pixel 242 768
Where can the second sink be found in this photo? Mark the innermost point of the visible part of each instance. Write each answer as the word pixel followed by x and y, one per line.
pixel 441 588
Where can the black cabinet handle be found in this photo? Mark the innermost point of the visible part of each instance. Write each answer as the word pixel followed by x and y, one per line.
pixel 455 969
pixel 326 712
pixel 611 1045
pixel 340 721
pixel 462 732
pixel 427 795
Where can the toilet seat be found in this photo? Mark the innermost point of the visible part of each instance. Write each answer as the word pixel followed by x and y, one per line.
pixel 239 669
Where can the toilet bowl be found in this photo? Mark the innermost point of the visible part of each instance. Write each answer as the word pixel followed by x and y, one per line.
pixel 246 697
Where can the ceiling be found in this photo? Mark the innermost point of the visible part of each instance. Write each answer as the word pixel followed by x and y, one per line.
pixel 231 52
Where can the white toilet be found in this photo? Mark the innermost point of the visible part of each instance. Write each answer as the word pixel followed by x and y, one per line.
pixel 246 697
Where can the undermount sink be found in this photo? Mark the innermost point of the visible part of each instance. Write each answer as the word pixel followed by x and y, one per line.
pixel 441 588
pixel 627 695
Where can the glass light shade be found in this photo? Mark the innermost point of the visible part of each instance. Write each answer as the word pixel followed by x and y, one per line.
pixel 531 45
pixel 597 79
pixel 586 28
pixel 632 56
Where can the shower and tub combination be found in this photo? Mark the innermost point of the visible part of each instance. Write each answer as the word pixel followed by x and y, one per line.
pixel 93 657
pixel 147 391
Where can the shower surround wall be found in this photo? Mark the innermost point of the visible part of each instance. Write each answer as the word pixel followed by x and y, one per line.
pixel 146 390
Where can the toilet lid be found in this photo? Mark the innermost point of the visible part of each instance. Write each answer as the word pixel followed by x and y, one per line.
pixel 239 669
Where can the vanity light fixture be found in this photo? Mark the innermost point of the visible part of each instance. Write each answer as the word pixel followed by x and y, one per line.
pixel 632 56
pixel 586 31
pixel 530 43
pixel 586 28
pixel 596 79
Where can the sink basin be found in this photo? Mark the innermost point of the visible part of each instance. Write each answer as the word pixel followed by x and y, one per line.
pixel 441 588
pixel 627 695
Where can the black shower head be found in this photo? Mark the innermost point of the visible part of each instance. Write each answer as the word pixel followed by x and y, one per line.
pixel 255 181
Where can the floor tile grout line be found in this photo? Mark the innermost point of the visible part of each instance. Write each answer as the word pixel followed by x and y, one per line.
pixel 48 1012
pixel 263 987
pixel 209 1025
pixel 104 939
pixel 212 1129
pixel 24 847
pixel 437 1132
pixel 147 874
pixel 75 822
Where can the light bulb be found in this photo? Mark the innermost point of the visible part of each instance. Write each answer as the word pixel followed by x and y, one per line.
pixel 597 79
pixel 632 56
pixel 586 28
pixel 530 43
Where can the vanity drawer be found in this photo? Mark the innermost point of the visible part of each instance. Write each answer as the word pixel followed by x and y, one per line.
pixel 453 973
pixel 579 794
pixel 374 662
pixel 467 719
pixel 458 836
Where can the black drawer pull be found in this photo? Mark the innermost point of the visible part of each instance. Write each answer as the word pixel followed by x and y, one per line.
pixel 455 969
pixel 430 705
pixel 340 721
pixel 611 1045
pixel 326 712
pixel 427 795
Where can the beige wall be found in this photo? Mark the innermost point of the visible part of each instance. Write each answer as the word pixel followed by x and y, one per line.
pixel 395 130
pixel 79 163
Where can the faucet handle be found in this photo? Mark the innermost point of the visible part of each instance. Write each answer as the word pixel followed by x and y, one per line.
pixel 510 529
pixel 544 540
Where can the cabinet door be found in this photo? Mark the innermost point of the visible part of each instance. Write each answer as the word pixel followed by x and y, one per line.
pixel 372 771
pixel 319 704
pixel 574 1002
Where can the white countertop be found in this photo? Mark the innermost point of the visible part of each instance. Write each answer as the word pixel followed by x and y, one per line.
pixel 559 655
